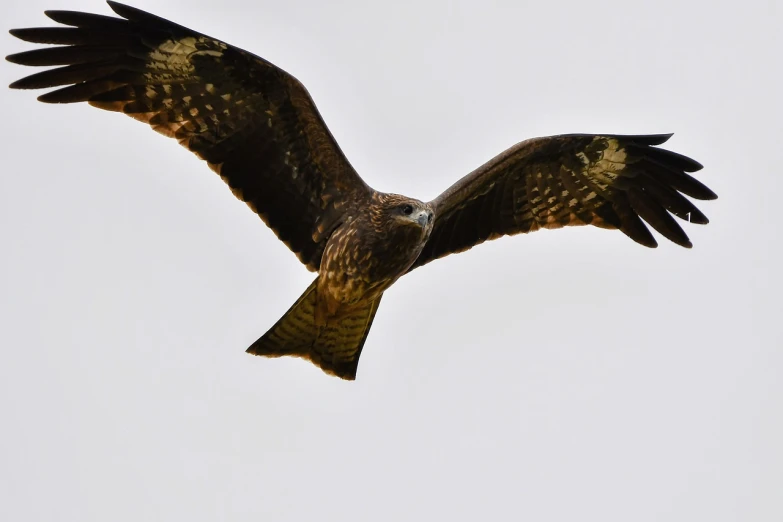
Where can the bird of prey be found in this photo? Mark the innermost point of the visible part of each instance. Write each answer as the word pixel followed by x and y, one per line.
pixel 257 127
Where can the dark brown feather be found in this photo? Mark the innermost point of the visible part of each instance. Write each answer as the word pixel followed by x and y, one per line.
pixel 653 213
pixel 80 72
pixel 672 200
pixel 66 55
pixel 85 20
pixel 254 124
pixel 678 180
pixel 71 36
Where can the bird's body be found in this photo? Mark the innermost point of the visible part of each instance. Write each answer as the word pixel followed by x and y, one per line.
pixel 258 128
pixel 370 251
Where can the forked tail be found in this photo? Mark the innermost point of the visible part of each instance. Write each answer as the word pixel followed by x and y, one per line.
pixel 334 347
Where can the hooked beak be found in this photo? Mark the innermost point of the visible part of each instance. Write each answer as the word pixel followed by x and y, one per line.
pixel 424 217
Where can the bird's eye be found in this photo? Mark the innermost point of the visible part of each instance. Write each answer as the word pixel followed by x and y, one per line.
pixel 407 210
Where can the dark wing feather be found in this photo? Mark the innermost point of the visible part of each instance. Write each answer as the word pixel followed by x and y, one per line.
pixel 616 182
pixel 254 124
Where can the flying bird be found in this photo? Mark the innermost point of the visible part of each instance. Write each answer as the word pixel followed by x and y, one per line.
pixel 257 127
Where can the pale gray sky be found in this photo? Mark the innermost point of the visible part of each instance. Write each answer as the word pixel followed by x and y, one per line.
pixel 560 376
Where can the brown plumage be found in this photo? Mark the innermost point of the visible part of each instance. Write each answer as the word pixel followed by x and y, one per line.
pixel 257 127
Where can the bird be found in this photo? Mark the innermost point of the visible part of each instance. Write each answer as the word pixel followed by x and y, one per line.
pixel 258 128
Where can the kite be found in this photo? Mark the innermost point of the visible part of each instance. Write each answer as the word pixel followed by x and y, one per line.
pixel 257 127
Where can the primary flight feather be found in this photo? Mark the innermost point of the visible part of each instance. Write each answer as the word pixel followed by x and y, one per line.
pixel 258 128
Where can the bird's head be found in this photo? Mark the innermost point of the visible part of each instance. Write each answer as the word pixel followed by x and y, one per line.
pixel 396 211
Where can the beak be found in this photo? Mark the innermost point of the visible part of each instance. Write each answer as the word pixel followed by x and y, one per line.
pixel 423 218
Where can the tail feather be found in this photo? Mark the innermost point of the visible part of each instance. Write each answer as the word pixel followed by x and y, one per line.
pixel 334 347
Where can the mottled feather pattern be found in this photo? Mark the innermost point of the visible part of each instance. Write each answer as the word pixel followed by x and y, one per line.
pixel 610 181
pixel 334 347
pixel 254 124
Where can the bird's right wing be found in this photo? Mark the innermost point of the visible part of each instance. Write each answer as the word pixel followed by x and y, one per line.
pixel 254 124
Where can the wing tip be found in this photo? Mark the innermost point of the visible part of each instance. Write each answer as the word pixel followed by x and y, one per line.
pixel 19 84
pixel 682 240
pixel 639 139
pixel 15 58
pixel 60 16
pixel 119 8
pixel 652 243
pixel 654 139
pixel 694 216
pixel 27 34
pixel 49 97
pixel 685 243
pixel 694 166
pixel 148 20
pixel 648 242
pixel 709 195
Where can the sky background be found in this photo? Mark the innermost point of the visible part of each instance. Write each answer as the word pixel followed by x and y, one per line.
pixel 560 376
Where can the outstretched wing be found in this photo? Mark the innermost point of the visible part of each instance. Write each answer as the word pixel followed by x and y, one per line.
pixel 254 124
pixel 558 181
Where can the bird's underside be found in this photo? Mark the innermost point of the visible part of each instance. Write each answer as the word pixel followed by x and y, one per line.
pixel 258 128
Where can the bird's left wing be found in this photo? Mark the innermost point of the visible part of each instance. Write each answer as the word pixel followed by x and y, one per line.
pixel 608 181
pixel 254 124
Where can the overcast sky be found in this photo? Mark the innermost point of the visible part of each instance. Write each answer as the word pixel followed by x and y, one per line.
pixel 561 376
